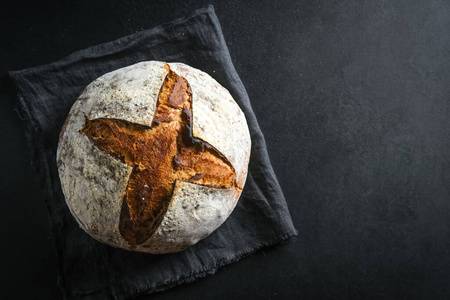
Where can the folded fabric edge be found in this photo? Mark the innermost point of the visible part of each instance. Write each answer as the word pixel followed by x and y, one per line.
pixel 221 263
pixel 180 280
pixel 246 106
pixel 102 49
pixel 32 132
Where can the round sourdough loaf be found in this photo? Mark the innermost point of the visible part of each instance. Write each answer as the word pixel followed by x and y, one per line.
pixel 153 157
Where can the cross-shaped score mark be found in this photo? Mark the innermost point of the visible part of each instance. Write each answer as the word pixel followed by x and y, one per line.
pixel 159 155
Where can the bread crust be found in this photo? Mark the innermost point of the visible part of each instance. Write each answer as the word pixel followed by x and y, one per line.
pixel 94 183
pixel 217 119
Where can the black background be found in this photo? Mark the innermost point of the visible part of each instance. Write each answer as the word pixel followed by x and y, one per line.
pixel 353 98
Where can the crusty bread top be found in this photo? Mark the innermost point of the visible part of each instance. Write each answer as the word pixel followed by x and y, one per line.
pixel 97 181
pixel 159 155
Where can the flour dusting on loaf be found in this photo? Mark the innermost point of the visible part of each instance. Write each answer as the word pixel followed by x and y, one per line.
pixel 96 180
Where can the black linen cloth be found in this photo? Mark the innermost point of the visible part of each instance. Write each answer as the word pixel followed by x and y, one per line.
pixel 90 269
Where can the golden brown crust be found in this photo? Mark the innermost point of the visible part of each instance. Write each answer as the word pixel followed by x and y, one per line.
pixel 159 155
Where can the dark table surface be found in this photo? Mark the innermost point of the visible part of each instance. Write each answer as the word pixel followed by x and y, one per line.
pixel 354 100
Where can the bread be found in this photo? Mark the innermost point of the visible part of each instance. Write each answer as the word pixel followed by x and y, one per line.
pixel 153 157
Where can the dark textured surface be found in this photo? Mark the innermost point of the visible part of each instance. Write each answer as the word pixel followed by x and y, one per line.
pixel 353 99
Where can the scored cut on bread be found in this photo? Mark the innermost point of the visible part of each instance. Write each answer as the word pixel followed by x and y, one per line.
pixel 153 157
